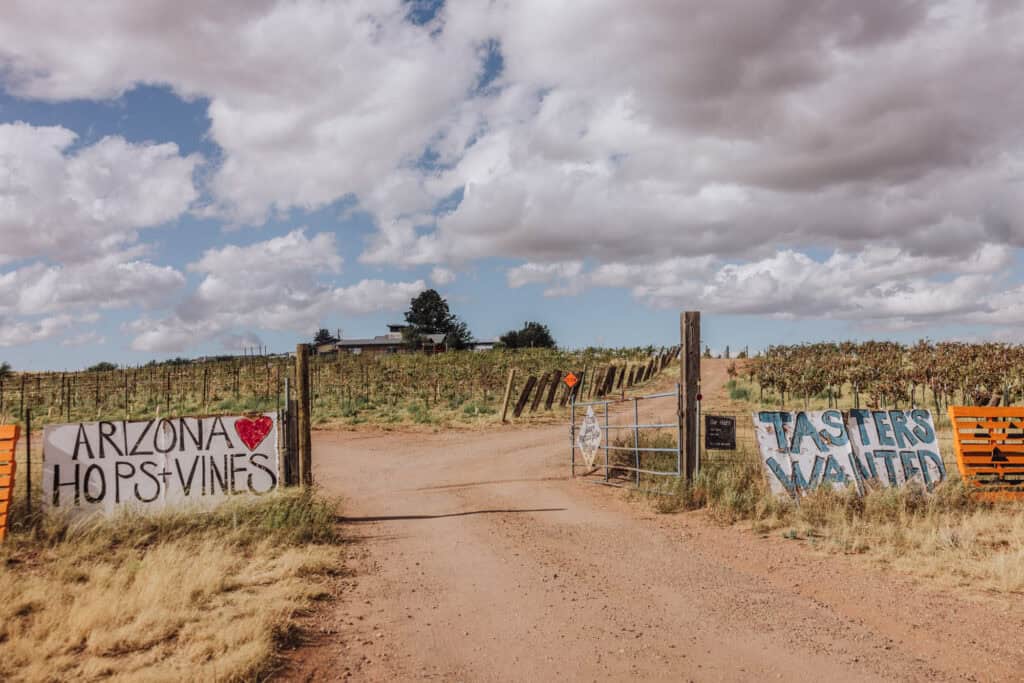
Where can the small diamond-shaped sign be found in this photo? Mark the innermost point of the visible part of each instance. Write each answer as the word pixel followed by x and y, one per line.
pixel 589 439
pixel 571 380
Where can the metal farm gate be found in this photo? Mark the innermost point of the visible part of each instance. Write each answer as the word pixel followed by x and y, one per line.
pixel 613 446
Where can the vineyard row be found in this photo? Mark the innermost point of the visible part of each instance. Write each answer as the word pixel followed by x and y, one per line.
pixel 257 383
pixel 889 374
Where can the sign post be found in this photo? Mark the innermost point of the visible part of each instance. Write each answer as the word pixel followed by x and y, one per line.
pixel 303 418
pixel 689 378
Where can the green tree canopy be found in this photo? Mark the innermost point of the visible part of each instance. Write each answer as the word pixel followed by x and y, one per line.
pixel 324 336
pixel 105 366
pixel 429 314
pixel 531 335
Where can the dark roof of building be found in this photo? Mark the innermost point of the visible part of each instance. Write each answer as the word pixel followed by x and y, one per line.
pixel 377 341
pixel 388 341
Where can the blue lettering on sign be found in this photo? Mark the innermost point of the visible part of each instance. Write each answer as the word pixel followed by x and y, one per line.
pixel 922 455
pixel 861 416
pixel 795 480
pixel 910 470
pixel 923 430
pixel 834 472
pixel 904 437
pixel 777 419
pixel 834 419
pixel 900 435
pixel 890 469
pixel 867 471
pixel 805 428
pixel 883 428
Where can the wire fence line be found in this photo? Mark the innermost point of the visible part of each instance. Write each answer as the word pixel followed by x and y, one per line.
pixel 256 383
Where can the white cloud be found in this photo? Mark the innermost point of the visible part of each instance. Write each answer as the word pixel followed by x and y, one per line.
pixel 116 280
pixel 876 284
pixel 18 332
pixel 269 285
pixel 91 337
pixel 564 275
pixel 310 101
pixel 692 151
pixel 367 296
pixel 73 206
pixel 442 276
pixel 612 133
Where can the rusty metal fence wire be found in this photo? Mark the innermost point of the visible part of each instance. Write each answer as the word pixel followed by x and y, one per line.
pixel 630 446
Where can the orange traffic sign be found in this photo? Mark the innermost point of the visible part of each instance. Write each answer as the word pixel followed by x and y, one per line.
pixel 571 380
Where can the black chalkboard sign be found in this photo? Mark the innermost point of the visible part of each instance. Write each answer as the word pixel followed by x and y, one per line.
pixel 719 433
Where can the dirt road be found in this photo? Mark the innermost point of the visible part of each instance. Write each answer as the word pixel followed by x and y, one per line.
pixel 478 559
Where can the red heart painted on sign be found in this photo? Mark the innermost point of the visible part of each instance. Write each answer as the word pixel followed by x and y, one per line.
pixel 252 432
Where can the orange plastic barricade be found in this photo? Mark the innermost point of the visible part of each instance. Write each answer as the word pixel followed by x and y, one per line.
pixel 8 440
pixel 989 446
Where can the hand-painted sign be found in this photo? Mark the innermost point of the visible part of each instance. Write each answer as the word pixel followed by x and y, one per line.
pixel 989 446
pixel 719 433
pixel 867 449
pixel 158 464
pixel 892 447
pixel 589 439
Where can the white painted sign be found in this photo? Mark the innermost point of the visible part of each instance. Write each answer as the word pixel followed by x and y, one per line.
pixel 589 439
pixel 867 449
pixel 158 464
pixel 892 447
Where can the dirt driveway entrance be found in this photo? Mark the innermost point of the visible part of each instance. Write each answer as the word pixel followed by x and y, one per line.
pixel 479 560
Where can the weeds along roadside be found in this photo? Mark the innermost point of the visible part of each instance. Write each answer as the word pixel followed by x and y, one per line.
pixel 206 595
pixel 947 534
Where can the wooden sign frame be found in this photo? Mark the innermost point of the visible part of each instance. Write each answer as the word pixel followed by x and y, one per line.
pixel 989 447
pixel 8 442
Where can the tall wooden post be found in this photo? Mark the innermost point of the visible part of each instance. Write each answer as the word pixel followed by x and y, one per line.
pixel 303 423
pixel 508 394
pixel 689 384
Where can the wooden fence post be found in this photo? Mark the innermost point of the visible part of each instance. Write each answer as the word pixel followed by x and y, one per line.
pixel 556 379
pixel 508 394
pixel 303 421
pixel 521 403
pixel 28 459
pixel 540 392
pixel 689 384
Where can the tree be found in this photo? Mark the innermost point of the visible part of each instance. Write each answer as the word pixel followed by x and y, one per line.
pixel 105 366
pixel 531 335
pixel 429 314
pixel 459 337
pixel 5 370
pixel 707 351
pixel 324 336
pixel 726 354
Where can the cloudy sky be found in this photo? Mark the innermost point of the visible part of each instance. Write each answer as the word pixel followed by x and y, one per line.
pixel 185 177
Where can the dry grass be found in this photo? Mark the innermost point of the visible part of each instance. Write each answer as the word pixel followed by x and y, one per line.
pixel 171 597
pixel 946 535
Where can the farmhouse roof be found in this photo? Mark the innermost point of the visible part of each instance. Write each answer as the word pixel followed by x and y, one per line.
pixel 376 341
